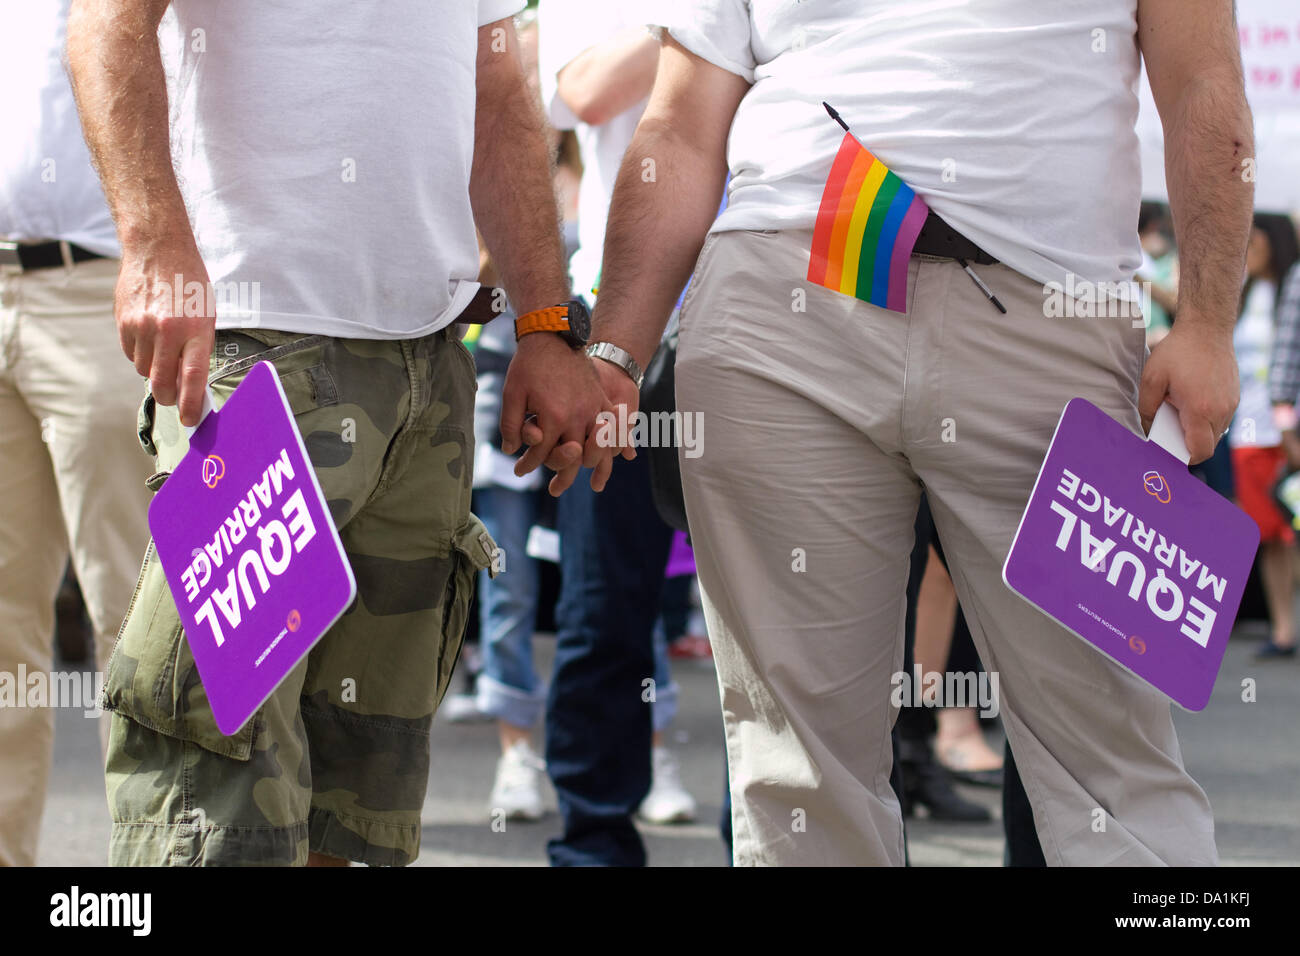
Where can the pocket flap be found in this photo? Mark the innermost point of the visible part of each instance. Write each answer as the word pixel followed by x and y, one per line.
pixel 152 678
pixel 474 542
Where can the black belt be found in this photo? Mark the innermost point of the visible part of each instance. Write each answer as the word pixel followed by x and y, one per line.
pixel 46 255
pixel 937 238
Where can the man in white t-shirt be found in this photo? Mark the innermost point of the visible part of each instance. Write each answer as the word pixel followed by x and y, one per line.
pixel 331 162
pixel 828 414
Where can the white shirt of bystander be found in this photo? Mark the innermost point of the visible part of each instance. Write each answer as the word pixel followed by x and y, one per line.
pixel 566 28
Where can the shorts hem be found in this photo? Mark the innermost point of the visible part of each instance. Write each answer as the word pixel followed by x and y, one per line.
pixel 356 839
pixel 145 843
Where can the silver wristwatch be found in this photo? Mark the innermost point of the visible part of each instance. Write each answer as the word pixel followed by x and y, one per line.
pixel 616 356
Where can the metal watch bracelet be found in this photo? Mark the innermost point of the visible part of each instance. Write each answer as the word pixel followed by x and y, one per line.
pixel 611 353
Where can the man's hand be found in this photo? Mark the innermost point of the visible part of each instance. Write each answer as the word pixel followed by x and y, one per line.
pixel 1195 370
pixel 168 346
pixel 550 403
pixel 603 443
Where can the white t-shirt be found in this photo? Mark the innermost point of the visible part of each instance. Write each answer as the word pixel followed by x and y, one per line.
pixel 565 29
pixel 48 189
pixel 1252 340
pixel 324 153
pixel 1013 119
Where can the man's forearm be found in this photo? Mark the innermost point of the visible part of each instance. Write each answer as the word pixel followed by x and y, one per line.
pixel 511 188
pixel 1209 150
pixel 117 76
pixel 655 230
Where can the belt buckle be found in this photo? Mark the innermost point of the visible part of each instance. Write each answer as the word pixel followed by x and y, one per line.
pixel 9 254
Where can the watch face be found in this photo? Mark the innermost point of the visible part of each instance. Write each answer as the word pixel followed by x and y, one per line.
pixel 579 324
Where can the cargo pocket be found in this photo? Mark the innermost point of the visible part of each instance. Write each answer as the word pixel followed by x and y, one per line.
pixel 152 678
pixel 473 550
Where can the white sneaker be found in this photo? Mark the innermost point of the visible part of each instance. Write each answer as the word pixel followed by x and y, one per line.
pixel 518 786
pixel 462 709
pixel 667 801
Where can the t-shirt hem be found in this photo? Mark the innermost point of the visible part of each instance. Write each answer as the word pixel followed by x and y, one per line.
pixel 490 11
pixel 1027 263
pixel 329 325
pixel 340 328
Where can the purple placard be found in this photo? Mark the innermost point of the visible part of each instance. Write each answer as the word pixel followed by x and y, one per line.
pixel 1120 544
pixel 249 549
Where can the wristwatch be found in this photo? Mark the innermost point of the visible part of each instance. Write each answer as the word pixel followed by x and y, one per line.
pixel 611 353
pixel 571 321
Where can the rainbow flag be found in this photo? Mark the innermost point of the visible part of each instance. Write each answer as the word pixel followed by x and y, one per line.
pixel 866 229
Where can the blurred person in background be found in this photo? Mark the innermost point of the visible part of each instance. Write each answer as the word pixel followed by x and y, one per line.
pixel 1256 436
pixel 927 644
pixel 605 749
pixel 1284 367
pixel 943 644
pixel 71 479
pixel 1159 269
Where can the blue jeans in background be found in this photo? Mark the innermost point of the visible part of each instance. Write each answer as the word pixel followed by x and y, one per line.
pixel 613 551
pixel 508 687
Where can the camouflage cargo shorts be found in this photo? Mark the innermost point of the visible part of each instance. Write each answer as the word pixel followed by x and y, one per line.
pixel 337 760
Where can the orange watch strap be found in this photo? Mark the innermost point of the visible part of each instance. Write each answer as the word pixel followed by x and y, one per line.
pixel 554 319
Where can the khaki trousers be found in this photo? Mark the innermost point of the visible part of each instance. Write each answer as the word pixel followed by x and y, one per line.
pixel 71 481
pixel 823 425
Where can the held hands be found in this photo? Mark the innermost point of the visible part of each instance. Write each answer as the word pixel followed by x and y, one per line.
pixel 167 346
pixel 1194 367
pixel 552 398
pixel 603 445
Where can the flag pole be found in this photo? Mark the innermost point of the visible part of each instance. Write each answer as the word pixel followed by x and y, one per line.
pixel 836 116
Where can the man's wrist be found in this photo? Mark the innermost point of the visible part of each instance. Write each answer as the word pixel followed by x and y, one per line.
pixel 1217 321
pixel 143 242
pixel 541 298
pixel 614 355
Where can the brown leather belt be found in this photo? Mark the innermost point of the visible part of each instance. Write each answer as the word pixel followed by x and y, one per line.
pixel 479 311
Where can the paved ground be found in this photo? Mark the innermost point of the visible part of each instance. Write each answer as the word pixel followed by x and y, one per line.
pixel 1244 754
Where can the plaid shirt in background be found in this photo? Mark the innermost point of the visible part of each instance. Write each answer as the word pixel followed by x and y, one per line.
pixel 1284 372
